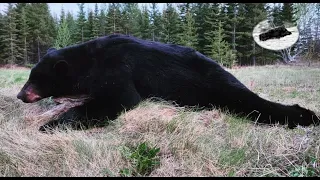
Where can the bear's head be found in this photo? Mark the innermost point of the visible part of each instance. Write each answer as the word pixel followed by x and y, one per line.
pixel 283 31
pixel 52 76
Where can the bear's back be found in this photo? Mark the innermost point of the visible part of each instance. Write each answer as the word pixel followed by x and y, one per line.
pixel 117 39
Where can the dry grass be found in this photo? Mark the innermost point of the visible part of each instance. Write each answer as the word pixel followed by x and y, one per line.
pixel 206 143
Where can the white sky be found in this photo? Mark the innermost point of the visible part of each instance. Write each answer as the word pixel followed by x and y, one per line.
pixel 55 8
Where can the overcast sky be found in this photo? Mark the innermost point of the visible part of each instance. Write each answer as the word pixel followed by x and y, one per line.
pixel 55 8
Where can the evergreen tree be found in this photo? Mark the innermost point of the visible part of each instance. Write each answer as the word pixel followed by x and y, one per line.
pixel 170 24
pixel 114 19
pixel 144 24
pixel 72 27
pixel 276 14
pixel 231 24
pixel 89 27
pixel 247 50
pixel 131 15
pixel 42 30
pixel 317 29
pixel 9 38
pixel 219 48
pixel 2 37
pixel 287 13
pixel 62 16
pixel 155 18
pixel 260 14
pixel 211 22
pixel 63 38
pixel 188 31
pixel 56 22
pixel 96 24
pixel 47 28
pixel 22 32
pixel 201 10
pixel 102 22
pixel 80 24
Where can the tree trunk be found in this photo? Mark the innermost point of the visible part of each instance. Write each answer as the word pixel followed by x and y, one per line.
pixel 82 34
pixel 25 51
pixel 254 53
pixel 153 34
pixel 11 46
pixel 114 23
pixel 38 50
pixel 234 30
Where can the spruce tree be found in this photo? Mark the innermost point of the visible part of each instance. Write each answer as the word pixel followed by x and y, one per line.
pixel 130 18
pixel 155 22
pixel 144 24
pixel 9 38
pixel 96 24
pixel 231 24
pixel 80 24
pixel 219 49
pixel 114 19
pixel 170 24
pixel 211 23
pixel 2 36
pixel 102 21
pixel 62 16
pixel 201 10
pixel 287 13
pixel 72 27
pixel 188 30
pixel 24 31
pixel 89 27
pixel 63 38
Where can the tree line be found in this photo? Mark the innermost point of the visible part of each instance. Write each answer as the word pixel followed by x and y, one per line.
pixel 222 31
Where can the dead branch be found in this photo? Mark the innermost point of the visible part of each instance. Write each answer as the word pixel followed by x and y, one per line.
pixel 63 105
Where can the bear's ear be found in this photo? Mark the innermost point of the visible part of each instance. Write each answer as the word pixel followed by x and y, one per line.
pixel 51 49
pixel 61 67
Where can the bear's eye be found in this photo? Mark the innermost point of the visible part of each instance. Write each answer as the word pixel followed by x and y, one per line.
pixel 301 115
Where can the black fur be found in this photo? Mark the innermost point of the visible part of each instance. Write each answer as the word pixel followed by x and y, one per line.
pixel 120 71
pixel 275 33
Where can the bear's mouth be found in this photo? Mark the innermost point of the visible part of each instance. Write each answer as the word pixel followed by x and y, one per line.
pixel 29 94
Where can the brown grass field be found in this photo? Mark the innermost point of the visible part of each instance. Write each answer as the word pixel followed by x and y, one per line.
pixel 192 143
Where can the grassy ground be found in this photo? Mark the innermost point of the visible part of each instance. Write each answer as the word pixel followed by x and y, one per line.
pixel 207 143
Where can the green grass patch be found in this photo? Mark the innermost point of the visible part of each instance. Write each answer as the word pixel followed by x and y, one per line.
pixel 143 159
pixel 9 77
pixel 232 157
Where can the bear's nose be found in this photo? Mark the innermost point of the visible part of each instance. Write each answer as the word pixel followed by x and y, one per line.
pixel 19 96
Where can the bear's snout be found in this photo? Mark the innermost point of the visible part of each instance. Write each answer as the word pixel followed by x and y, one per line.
pixel 20 96
pixel 28 95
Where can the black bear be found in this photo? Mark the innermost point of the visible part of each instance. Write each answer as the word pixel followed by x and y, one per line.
pixel 119 71
pixel 275 33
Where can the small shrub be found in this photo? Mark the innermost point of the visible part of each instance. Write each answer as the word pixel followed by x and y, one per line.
pixel 143 159
pixel 310 169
